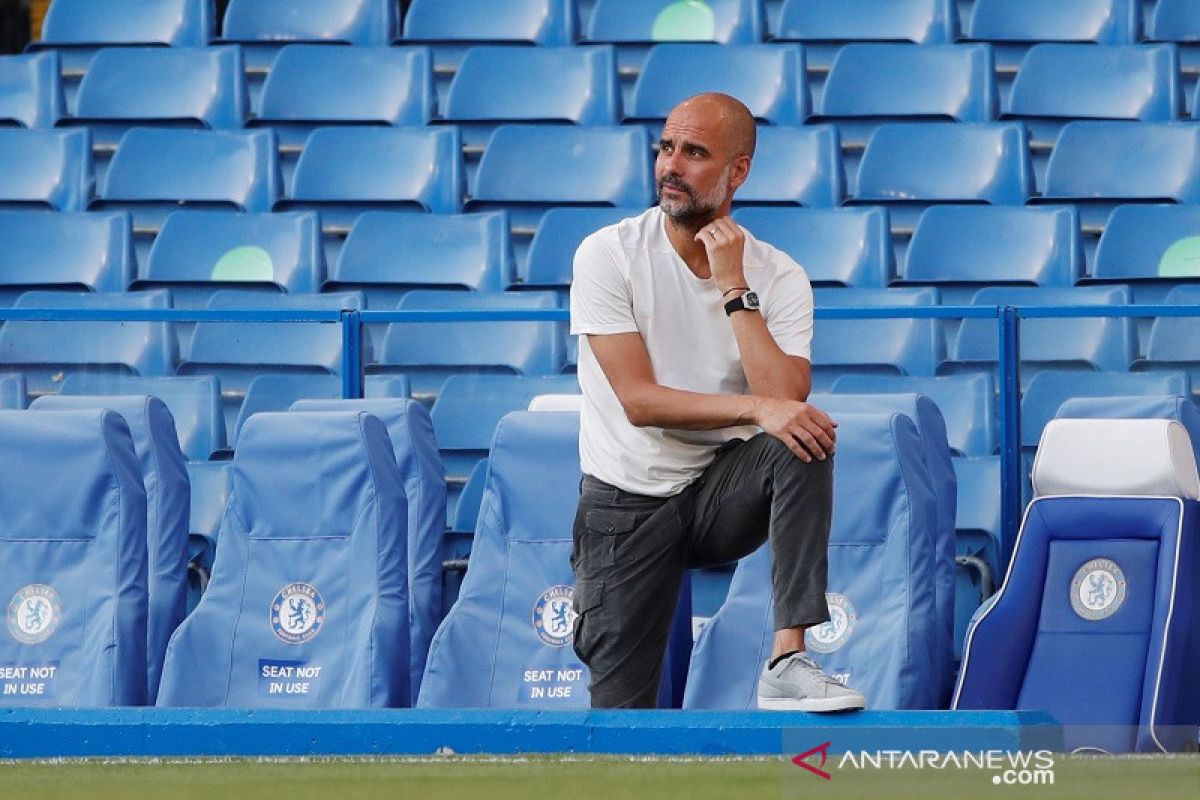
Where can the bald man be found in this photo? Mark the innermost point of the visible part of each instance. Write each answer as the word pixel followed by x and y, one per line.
pixel 696 442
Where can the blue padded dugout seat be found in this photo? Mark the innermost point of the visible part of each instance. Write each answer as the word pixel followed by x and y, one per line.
pixel 428 353
pixel 795 166
pixel 308 603
pixel 415 449
pixel 881 593
pixel 550 260
pixel 907 165
pixel 875 346
pixel 168 499
pixel 966 403
pixel 1107 553
pixel 1174 341
pixel 506 643
pixel 1079 343
pixel 31 95
pixel 158 170
pixel 958 248
pixel 873 83
pixel 769 79
pixel 495 85
pixel 63 250
pixel 199 252
pixel 45 169
pixel 314 85
pixel 1148 247
pixel 47 352
pixel 848 247
pixel 181 87
pixel 12 391
pixel 388 253
pixel 1099 165
pixel 824 25
pixel 194 403
pixel 931 430
pixel 72 560
pixel 343 172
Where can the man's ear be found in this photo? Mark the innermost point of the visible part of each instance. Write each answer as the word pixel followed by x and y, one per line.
pixel 739 172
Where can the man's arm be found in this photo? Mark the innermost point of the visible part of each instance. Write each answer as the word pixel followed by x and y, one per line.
pixel 806 430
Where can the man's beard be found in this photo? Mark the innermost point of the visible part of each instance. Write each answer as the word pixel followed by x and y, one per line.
pixel 694 209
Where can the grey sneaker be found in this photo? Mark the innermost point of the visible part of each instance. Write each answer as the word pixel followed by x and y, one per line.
pixel 798 684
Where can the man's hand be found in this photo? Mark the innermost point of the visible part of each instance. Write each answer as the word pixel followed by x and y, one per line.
pixel 806 430
pixel 724 242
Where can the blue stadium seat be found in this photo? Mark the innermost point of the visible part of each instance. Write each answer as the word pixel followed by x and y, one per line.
pixel 977 540
pixel 194 403
pixel 164 476
pixel 1174 342
pixel 907 165
pixel 45 169
pixel 72 560
pixel 314 542
pixel 77 28
pixel 959 248
pixel 1012 26
pixel 1082 343
pixel 314 85
pixel 966 403
pixel 548 264
pixel 210 482
pixel 1178 22
pixel 836 247
pixel 495 85
pixel 883 627
pixel 47 352
pixel 769 79
pixel 388 253
pixel 278 392
pixel 874 346
pixel 237 352
pixel 346 171
pixel 488 652
pixel 824 25
pixel 1148 247
pixel 59 250
pixel 467 411
pixel 1108 546
pixel 795 166
pixel 415 449
pixel 31 95
pixel 869 84
pixel 466 513
pixel 931 432
pixel 157 170
pixel 527 169
pixel 199 252
pixel 12 391
pixel 181 87
pixel 428 353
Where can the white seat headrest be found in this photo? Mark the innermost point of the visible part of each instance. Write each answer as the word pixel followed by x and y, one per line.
pixel 557 402
pixel 1151 457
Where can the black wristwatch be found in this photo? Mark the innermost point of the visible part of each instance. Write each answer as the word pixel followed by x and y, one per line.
pixel 744 302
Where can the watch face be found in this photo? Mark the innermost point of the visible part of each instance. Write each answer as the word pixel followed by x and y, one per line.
pixel 750 299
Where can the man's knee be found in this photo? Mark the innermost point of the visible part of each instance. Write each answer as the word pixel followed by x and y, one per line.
pixel 772 451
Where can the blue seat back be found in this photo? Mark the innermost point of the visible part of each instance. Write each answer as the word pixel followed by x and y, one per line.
pixel 45 350
pixel 180 23
pixel 995 245
pixel 1103 565
pixel 277 392
pixel 72 560
pixel 795 166
pixel 31 95
pixel 1173 339
pixel 506 643
pixel 882 583
pixel 1174 21
pixel 168 500
pixel 359 22
pixel 198 252
pixel 1148 243
pixel 559 233
pixel 638 21
pixel 917 21
pixel 12 391
pixel 46 169
pixel 1099 21
pixel 64 250
pixel 415 448
pixel 542 22
pixel 308 603
pixel 837 247
pixel 769 79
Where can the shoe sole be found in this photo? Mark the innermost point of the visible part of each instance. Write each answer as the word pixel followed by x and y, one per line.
pixel 810 704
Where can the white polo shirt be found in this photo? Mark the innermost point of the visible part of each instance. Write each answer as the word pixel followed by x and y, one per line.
pixel 629 279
